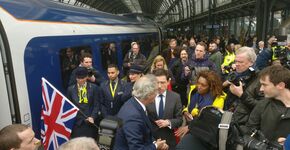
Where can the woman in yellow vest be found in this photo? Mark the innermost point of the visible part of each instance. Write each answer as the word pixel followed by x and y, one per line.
pixel 206 92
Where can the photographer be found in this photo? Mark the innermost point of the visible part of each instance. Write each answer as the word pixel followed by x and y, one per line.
pixel 271 115
pixel 94 76
pixel 243 87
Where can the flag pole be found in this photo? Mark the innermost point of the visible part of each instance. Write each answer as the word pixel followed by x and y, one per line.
pixel 69 101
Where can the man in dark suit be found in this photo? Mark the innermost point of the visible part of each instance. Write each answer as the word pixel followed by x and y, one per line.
pixel 85 96
pixel 136 134
pixel 114 92
pixel 165 114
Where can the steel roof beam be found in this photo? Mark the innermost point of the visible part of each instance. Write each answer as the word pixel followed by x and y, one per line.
pixel 172 5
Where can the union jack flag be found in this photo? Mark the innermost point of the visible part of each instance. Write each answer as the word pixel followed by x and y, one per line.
pixel 57 116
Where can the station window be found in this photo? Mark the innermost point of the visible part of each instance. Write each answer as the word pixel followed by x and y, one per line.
pixel 69 59
pixel 109 54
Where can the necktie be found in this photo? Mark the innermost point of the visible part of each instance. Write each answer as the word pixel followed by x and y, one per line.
pixel 113 84
pixel 161 106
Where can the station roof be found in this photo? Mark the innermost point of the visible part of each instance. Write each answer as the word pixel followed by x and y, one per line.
pixel 167 12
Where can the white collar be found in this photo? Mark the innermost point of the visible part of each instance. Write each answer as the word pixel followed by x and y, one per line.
pixel 163 94
pixel 142 105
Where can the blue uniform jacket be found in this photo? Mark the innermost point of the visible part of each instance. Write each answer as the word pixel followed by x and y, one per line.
pixel 90 109
pixel 111 105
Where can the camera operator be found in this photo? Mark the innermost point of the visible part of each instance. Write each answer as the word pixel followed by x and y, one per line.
pixel 93 75
pixel 276 53
pixel 272 116
pixel 280 54
pixel 243 87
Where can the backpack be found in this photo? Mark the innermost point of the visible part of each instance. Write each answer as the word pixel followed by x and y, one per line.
pixel 214 129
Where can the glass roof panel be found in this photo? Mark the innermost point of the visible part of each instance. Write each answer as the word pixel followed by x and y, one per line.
pixel 133 5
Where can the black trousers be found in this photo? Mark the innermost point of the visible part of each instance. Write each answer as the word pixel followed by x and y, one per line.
pixel 189 142
pixel 85 129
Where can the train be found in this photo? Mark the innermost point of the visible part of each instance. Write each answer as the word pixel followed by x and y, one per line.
pixel 33 37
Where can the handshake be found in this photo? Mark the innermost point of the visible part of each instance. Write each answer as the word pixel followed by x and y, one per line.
pixel 161 144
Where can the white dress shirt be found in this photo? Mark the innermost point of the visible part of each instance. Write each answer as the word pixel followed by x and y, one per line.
pixel 157 101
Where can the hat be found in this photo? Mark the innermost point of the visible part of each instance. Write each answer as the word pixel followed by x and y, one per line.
pixel 81 72
pixel 136 69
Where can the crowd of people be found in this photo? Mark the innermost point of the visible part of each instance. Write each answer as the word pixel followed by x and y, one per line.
pixel 158 104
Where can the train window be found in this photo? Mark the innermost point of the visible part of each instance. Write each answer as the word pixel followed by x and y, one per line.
pixel 125 46
pixel 145 45
pixel 109 54
pixel 69 59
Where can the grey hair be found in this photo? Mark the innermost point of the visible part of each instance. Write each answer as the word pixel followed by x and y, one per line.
pixel 144 87
pixel 250 53
pixel 134 43
pixel 80 143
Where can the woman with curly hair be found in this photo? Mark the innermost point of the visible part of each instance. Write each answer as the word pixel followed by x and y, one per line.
pixel 206 92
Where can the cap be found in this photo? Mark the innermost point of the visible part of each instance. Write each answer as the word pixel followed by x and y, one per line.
pixel 136 69
pixel 81 72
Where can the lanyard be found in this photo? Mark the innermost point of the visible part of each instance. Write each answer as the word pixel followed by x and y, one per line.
pixel 82 93
pixel 113 90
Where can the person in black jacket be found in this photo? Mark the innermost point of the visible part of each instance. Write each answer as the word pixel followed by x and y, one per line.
pixel 86 96
pixel 272 115
pixel 180 84
pixel 133 57
pixel 243 88
pixel 94 76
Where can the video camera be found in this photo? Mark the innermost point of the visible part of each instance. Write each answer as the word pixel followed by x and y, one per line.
pixel 107 131
pixel 257 141
pixel 281 52
pixel 91 72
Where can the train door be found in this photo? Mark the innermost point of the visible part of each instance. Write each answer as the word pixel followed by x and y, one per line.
pixel 4 109
pixel 9 109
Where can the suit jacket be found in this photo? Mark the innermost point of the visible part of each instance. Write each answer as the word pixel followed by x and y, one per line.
pixel 111 105
pixel 135 134
pixel 172 112
pixel 90 109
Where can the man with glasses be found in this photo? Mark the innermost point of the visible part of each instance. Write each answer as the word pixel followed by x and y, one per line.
pixel 133 57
